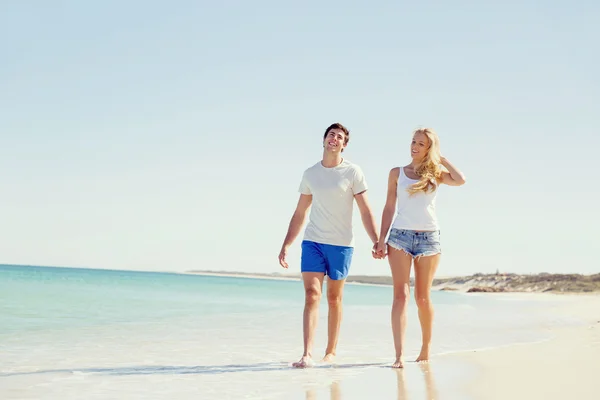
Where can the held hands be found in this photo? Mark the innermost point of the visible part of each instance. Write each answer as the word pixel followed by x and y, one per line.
pixel 379 250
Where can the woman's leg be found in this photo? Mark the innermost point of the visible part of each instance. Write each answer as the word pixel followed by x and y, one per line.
pixel 425 268
pixel 400 263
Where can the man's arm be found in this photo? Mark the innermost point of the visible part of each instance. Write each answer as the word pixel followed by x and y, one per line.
pixel 295 226
pixel 367 216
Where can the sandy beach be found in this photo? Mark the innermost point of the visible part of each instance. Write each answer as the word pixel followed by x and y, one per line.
pixel 565 367
pixel 236 338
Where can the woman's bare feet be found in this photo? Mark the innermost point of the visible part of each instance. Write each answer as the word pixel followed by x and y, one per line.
pixel 305 362
pixel 398 363
pixel 329 358
pixel 424 355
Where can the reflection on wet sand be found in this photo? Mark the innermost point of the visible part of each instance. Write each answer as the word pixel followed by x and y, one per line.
pixel 430 388
pixel 431 392
pixel 335 392
pixel 402 394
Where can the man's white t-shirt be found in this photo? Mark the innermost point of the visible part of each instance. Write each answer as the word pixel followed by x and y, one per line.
pixel 332 190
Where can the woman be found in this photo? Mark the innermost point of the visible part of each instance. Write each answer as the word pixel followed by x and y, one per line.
pixel 415 235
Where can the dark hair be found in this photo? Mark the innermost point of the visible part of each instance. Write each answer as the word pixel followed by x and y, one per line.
pixel 341 127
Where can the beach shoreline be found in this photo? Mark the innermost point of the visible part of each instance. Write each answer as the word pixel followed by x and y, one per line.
pixel 476 283
pixel 540 345
pixel 559 367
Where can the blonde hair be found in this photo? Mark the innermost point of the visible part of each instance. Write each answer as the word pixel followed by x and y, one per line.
pixel 428 170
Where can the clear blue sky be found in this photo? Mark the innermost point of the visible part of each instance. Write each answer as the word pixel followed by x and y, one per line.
pixel 173 135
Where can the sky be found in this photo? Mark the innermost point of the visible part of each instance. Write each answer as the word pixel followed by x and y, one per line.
pixel 172 136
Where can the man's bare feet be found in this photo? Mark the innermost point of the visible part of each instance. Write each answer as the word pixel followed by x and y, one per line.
pixel 329 358
pixel 398 363
pixel 305 362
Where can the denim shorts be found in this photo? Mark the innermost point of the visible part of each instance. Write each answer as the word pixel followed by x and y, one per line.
pixel 333 261
pixel 416 244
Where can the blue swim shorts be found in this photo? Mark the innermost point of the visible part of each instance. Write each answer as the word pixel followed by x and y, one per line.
pixel 333 261
pixel 416 244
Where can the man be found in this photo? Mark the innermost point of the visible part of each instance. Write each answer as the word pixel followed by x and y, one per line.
pixel 330 186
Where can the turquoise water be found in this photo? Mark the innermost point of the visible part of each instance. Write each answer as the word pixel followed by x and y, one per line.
pixel 45 299
pixel 68 325
pixel 40 298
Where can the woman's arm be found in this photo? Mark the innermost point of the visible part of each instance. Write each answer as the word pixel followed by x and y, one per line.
pixel 453 177
pixel 389 209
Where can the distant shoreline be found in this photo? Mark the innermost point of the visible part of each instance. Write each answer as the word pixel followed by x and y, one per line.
pixel 485 283
pixel 355 280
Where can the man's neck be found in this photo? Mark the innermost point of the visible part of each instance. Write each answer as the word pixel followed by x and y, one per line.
pixel 331 160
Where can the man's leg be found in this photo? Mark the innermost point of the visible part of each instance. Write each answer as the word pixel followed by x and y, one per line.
pixel 335 290
pixel 312 266
pixel 338 265
pixel 313 284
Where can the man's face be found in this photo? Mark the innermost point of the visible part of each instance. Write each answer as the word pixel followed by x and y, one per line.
pixel 334 140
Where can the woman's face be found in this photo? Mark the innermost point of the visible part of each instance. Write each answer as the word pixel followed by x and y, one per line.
pixel 419 146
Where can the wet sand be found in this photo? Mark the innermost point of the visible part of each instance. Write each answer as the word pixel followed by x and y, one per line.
pixel 563 367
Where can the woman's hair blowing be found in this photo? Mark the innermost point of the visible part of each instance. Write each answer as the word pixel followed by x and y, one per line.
pixel 428 170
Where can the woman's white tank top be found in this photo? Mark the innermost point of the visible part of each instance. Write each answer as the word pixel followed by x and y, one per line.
pixel 416 212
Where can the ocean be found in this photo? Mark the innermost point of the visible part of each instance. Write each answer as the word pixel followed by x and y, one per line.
pixel 96 334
